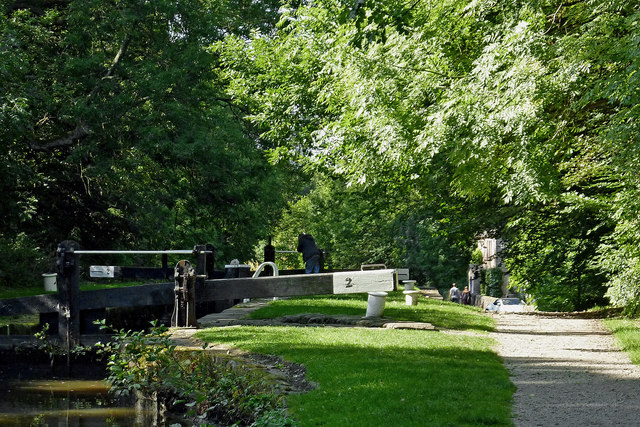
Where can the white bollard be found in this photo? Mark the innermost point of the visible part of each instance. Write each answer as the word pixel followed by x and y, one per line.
pixel 50 282
pixel 375 304
pixel 409 284
pixel 411 297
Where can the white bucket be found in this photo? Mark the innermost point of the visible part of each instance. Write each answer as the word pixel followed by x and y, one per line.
pixel 50 282
pixel 409 284
pixel 411 297
pixel 375 304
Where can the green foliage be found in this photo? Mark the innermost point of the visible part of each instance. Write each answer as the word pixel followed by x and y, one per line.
pixel 476 257
pixel 45 344
pixel 53 349
pixel 274 419
pixel 552 254
pixel 195 382
pixel 21 262
pixel 174 123
pixel 493 279
pixel 483 282
pixel 117 131
pixel 385 224
pixel 632 308
pixel 141 361
pixel 530 108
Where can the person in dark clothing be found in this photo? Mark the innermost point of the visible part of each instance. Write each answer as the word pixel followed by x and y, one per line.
pixel 466 296
pixel 310 253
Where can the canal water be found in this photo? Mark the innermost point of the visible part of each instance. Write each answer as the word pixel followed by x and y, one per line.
pixel 65 402
pixel 33 393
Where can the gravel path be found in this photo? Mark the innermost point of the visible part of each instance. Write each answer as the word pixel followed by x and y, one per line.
pixel 568 372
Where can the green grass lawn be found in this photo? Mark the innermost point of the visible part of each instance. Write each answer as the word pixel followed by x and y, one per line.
pixel 439 313
pixel 84 286
pixel 372 376
pixel 22 292
pixel 90 286
pixel 627 333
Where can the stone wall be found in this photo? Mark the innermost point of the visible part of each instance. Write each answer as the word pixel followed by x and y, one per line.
pixel 483 301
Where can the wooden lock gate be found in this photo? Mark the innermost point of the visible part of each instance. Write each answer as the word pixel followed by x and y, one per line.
pixel 191 284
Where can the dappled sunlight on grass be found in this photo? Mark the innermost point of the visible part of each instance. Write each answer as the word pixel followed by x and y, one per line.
pixel 366 376
pixel 334 304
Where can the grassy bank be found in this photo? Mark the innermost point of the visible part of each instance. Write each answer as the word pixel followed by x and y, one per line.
pixel 369 377
pixel 627 333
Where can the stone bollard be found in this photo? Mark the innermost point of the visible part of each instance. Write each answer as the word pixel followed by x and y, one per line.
pixel 409 284
pixel 375 304
pixel 411 297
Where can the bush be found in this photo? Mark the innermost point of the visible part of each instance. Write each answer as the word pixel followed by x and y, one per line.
pixel 196 383
pixel 476 257
pixel 494 282
pixel 483 282
pixel 21 262
pixel 632 309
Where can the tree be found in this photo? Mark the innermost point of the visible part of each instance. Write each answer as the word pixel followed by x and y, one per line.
pixel 531 108
pixel 118 131
pixel 382 224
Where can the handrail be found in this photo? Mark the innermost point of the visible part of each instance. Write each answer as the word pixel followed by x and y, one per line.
pixel 263 265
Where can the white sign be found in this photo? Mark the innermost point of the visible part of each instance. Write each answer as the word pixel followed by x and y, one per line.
pixel 353 282
pixel 105 271
pixel 403 274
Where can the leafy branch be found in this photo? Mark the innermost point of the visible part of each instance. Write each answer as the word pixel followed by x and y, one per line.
pixel 82 130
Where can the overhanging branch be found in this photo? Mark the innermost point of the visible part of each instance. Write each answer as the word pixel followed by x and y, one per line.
pixel 82 130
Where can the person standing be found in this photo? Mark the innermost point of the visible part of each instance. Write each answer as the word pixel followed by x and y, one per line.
pixel 310 253
pixel 466 296
pixel 454 294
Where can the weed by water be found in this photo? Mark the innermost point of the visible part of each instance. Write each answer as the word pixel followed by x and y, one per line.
pixel 205 388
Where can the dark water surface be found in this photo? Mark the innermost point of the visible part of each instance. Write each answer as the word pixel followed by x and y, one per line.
pixel 38 390
pixel 65 402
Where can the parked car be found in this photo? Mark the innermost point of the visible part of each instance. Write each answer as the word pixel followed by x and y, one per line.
pixel 506 305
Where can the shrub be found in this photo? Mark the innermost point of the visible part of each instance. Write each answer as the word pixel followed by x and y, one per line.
pixel 494 282
pixel 211 389
pixel 483 282
pixel 476 257
pixel 21 262
pixel 632 309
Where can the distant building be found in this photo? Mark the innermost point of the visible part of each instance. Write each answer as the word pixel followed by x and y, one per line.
pixel 491 249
